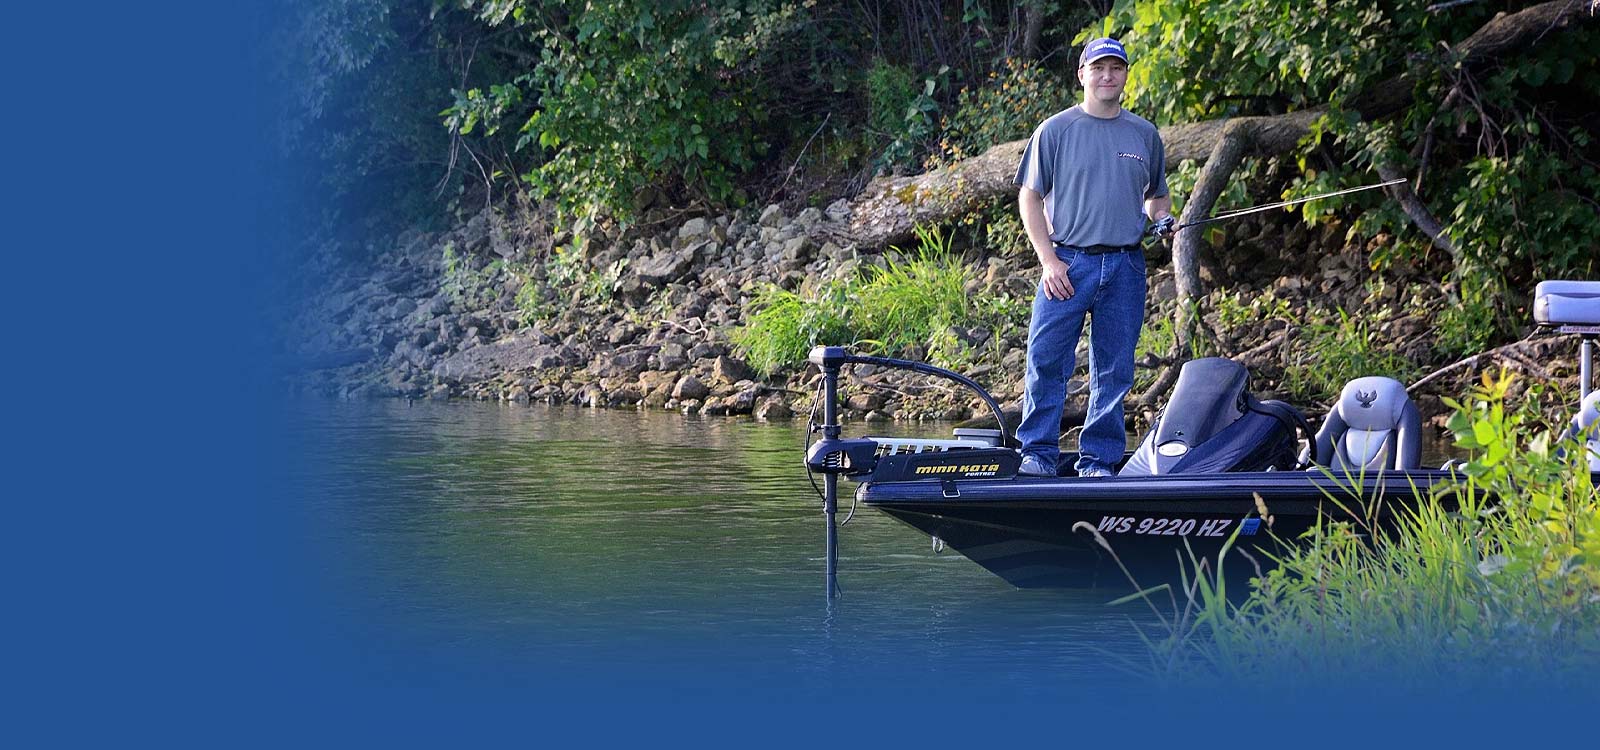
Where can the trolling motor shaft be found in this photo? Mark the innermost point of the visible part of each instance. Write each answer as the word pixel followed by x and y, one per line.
pixel 833 456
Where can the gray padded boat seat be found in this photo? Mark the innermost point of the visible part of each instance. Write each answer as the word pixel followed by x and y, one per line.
pixel 1374 426
pixel 1567 303
pixel 1587 425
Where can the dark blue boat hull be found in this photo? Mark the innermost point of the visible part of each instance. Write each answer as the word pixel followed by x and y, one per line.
pixel 1041 532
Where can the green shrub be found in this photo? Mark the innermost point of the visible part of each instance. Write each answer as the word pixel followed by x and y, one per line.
pixel 903 110
pixel 783 326
pixel 906 304
pixel 1004 107
pixel 1234 312
pixel 569 280
pixel 1336 352
pixel 633 93
pixel 890 90
pixel 909 305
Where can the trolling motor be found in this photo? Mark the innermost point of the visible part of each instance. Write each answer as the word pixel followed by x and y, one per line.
pixel 834 456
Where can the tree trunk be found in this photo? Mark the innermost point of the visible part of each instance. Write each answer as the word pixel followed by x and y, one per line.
pixel 1230 149
pixel 1032 26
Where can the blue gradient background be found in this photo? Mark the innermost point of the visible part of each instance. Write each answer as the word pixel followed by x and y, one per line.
pixel 156 595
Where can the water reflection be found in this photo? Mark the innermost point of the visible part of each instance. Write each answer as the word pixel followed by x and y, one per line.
pixel 565 538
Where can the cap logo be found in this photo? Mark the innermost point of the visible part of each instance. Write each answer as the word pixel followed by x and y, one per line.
pixel 1101 48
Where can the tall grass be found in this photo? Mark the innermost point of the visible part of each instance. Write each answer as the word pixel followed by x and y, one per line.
pixel 1504 576
pixel 887 310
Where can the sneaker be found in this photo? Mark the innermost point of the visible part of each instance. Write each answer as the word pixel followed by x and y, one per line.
pixel 1033 467
pixel 1094 472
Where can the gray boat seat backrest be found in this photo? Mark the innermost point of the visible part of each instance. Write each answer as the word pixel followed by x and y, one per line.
pixel 1587 424
pixel 1373 426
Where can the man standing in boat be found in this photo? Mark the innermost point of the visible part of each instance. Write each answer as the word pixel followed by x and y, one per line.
pixel 1090 177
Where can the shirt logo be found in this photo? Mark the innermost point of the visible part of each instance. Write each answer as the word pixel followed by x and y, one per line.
pixel 1126 155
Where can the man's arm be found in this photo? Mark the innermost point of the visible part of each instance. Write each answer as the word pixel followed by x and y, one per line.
pixel 1160 212
pixel 1031 205
pixel 1155 208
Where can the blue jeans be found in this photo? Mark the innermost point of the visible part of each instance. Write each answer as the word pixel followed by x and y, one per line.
pixel 1109 289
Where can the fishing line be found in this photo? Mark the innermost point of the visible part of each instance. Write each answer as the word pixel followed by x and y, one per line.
pixel 811 429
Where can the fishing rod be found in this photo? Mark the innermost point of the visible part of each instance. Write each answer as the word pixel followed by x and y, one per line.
pixel 1283 204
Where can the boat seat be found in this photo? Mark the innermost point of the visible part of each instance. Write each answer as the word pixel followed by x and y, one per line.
pixel 1586 424
pixel 1374 426
pixel 1567 303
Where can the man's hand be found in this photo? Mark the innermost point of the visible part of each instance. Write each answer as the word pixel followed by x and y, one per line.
pixel 1057 284
pixel 1164 227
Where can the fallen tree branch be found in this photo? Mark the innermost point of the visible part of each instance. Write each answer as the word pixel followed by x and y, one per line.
pixel 1276 340
pixel 1469 361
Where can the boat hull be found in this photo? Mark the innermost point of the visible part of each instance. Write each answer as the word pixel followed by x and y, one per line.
pixel 1042 532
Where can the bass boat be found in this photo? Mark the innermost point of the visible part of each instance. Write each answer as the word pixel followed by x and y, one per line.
pixel 1217 467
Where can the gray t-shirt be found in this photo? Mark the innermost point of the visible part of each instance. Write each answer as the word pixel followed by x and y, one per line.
pixel 1095 175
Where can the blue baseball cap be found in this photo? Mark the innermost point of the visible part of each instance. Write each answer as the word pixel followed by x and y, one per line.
pixel 1103 47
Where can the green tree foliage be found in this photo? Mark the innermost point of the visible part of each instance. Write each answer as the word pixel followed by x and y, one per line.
pixel 1005 106
pixel 359 84
pixel 1504 154
pixel 633 93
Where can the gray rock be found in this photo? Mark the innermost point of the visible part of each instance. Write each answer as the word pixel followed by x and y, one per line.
pixel 476 233
pixel 696 227
pixel 838 210
pixel 622 334
pixel 481 363
pixel 706 350
pixel 671 357
pixel 742 402
pixel 411 354
pixel 729 370
pixel 799 248
pixel 690 388
pixel 772 216
pixel 773 408
pixel 809 218
pixel 666 267
pixel 633 362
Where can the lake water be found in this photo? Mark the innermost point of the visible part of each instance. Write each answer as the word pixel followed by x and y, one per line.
pixel 573 541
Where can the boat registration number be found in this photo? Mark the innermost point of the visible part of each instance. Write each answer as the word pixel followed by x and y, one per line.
pixel 1165 526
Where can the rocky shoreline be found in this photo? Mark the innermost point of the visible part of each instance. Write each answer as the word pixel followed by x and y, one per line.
pixel 505 308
